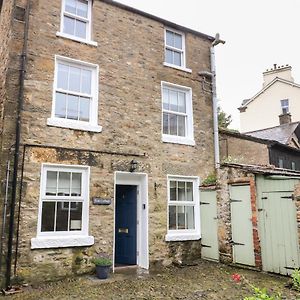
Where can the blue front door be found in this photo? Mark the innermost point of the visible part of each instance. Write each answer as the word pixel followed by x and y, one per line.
pixel 126 225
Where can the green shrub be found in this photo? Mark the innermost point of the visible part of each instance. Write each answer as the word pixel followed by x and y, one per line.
pixel 211 179
pixel 262 295
pixel 296 279
pixel 102 261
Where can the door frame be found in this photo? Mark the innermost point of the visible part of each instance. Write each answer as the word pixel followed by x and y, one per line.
pixel 141 181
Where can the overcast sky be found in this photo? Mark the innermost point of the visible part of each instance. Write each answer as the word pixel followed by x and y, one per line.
pixel 258 33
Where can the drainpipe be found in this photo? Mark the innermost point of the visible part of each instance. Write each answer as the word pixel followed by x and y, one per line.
pixel 212 76
pixel 17 150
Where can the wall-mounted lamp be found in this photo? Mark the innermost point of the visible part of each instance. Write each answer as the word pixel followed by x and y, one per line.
pixel 133 165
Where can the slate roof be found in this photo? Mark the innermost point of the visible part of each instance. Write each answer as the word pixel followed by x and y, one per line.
pixel 281 134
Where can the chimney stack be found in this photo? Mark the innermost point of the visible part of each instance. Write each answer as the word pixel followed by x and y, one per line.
pixel 284 72
pixel 285 118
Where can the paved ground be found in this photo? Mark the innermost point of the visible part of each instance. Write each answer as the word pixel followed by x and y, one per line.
pixel 206 281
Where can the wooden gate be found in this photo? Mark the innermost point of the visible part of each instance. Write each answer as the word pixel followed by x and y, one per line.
pixel 241 225
pixel 278 228
pixel 209 225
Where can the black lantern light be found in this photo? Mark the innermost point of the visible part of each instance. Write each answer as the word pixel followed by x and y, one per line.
pixel 133 165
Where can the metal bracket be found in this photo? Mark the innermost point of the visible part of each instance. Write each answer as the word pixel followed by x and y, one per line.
pixel 205 246
pixel 288 197
pixel 264 198
pixel 233 200
pixel 204 203
pixel 236 244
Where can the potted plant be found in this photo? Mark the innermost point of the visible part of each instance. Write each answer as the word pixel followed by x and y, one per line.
pixel 103 265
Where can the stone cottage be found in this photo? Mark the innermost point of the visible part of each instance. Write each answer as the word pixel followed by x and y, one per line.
pixel 106 134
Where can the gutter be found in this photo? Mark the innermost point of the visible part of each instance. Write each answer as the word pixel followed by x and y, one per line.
pixel 17 149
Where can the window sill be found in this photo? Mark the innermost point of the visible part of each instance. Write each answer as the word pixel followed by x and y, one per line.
pixel 76 39
pixel 61 242
pixel 177 67
pixel 70 124
pixel 176 237
pixel 178 140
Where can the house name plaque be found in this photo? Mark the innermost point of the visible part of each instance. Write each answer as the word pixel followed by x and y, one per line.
pixel 100 201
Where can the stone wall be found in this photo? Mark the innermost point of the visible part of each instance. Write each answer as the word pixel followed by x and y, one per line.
pixel 130 56
pixel 236 149
pixel 229 176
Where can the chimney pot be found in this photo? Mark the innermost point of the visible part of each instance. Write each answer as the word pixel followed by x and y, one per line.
pixel 275 65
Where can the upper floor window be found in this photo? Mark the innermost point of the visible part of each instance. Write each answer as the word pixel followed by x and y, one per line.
pixel 75 97
pixel 174 48
pixel 285 106
pixel 177 114
pixel 76 20
pixel 183 208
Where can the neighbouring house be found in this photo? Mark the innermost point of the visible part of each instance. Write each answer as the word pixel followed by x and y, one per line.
pixel 260 148
pixel 287 134
pixel 106 133
pixel 280 95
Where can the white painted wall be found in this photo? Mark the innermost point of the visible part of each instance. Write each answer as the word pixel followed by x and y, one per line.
pixel 264 111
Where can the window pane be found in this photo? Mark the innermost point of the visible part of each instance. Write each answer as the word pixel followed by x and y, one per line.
pixel 69 25
pixel 166 123
pixel 189 191
pixel 181 125
pixel 60 105
pixel 177 58
pixel 169 56
pixel 62 213
pixel 82 8
pixel 173 124
pixel 169 38
pixel 72 111
pixel 74 79
pixel 76 184
pixel 80 30
pixel 62 76
pixel 70 6
pixel 166 98
pixel 48 213
pixel 86 79
pixel 181 217
pixel 181 102
pixel 172 217
pixel 173 191
pixel 181 191
pixel 84 109
pixel 178 41
pixel 51 184
pixel 64 184
pixel 173 100
pixel 75 216
pixel 189 210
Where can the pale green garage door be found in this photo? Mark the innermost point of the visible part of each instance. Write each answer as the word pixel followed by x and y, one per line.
pixel 241 225
pixel 209 225
pixel 278 224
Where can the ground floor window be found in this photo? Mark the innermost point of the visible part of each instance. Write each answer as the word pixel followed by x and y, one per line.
pixel 183 208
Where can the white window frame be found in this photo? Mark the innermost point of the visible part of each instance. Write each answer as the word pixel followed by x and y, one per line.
pixel 189 138
pixel 58 239
pixel 287 107
pixel 88 20
pixel 183 51
pixel 92 125
pixel 185 234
